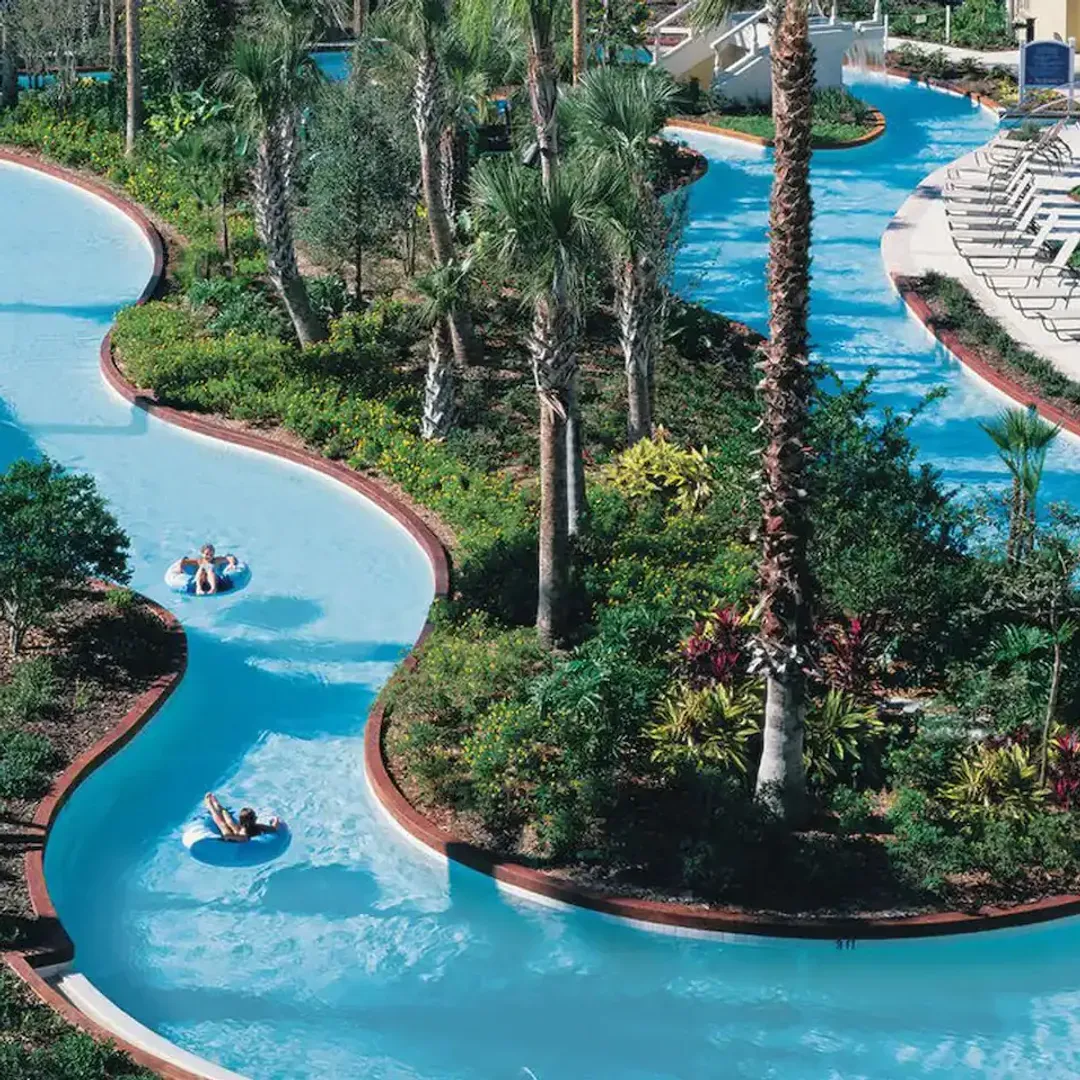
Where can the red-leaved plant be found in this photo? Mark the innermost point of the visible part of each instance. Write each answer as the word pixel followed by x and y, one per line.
pixel 716 650
pixel 849 657
pixel 1064 773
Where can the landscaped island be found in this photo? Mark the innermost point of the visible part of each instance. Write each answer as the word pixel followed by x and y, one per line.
pixel 840 119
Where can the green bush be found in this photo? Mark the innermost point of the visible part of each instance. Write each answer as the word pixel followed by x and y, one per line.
pixel 122 601
pixel 26 764
pixel 30 693
pixel 239 305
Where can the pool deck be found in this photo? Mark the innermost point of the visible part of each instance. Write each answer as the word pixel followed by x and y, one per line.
pixel 918 241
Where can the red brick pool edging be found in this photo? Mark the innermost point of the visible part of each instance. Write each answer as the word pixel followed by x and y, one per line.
pixel 689 124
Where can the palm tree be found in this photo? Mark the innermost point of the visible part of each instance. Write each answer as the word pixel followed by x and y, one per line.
pixel 113 36
pixel 412 32
pixel 543 234
pixel 444 289
pixel 268 80
pixel 1022 438
pixel 785 578
pixel 9 67
pixel 211 164
pixel 618 113
pixel 577 33
pixel 134 75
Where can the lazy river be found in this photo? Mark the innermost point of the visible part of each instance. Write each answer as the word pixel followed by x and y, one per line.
pixel 355 955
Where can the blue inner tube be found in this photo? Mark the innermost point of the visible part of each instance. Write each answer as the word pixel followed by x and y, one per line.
pixel 202 839
pixel 229 581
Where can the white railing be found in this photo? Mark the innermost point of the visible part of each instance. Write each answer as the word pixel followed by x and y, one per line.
pixel 668 23
pixel 751 21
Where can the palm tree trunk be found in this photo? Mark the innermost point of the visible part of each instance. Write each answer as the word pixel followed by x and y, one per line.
pixel 577 18
pixel 438 416
pixel 785 573
pixel 554 366
pixel 425 116
pixel 134 75
pixel 114 36
pixel 544 97
pixel 226 248
pixel 275 228
pixel 634 312
pixel 576 502
pixel 359 16
pixel 9 69
pixel 1051 708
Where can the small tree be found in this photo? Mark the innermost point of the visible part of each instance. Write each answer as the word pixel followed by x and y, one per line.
pixel 1039 585
pixel 55 531
pixel 1022 438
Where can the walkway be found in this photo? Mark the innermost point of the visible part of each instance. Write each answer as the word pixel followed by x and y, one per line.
pixel 918 240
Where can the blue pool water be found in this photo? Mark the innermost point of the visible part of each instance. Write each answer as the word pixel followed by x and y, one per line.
pixel 354 955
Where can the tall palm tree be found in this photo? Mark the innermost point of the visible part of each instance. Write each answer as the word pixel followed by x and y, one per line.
pixel 134 75
pixel 785 578
pixel 268 80
pixel 412 33
pixel 543 235
pixel 618 112
pixel 444 289
pixel 577 36
pixel 9 67
pixel 1022 438
pixel 113 36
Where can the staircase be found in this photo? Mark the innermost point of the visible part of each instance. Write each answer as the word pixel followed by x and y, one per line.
pixel 733 58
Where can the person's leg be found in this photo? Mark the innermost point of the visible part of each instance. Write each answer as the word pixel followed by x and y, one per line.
pixel 219 818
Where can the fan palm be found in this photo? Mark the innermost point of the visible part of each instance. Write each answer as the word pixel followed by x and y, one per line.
pixel 1022 438
pixel 412 35
pixel 211 163
pixel 134 75
pixel 618 113
pixel 444 290
pixel 268 80
pixel 543 234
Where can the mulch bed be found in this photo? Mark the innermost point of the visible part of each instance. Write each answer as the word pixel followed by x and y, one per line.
pixel 103 660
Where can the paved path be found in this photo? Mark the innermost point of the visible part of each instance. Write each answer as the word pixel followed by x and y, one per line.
pixel 918 240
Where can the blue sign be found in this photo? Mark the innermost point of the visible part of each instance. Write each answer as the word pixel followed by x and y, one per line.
pixel 1046 63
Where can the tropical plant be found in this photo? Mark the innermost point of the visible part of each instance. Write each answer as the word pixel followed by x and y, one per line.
pixel 55 531
pixel 267 81
pixel 618 112
pixel 658 466
pixel 850 656
pixel 542 233
pixel 786 585
pixel 133 78
pixel 1022 438
pixel 838 726
pixel 1065 768
pixel 444 290
pixel 210 162
pixel 412 35
pixel 1000 782
pixel 706 727
pixel 717 649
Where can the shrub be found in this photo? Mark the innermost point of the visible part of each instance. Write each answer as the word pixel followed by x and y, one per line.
pixel 238 305
pixel 122 601
pixel 854 809
pixel 838 729
pixel 26 763
pixel 708 727
pixel 55 531
pixel 996 782
pixel 31 693
pixel 717 650
pixel 657 466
